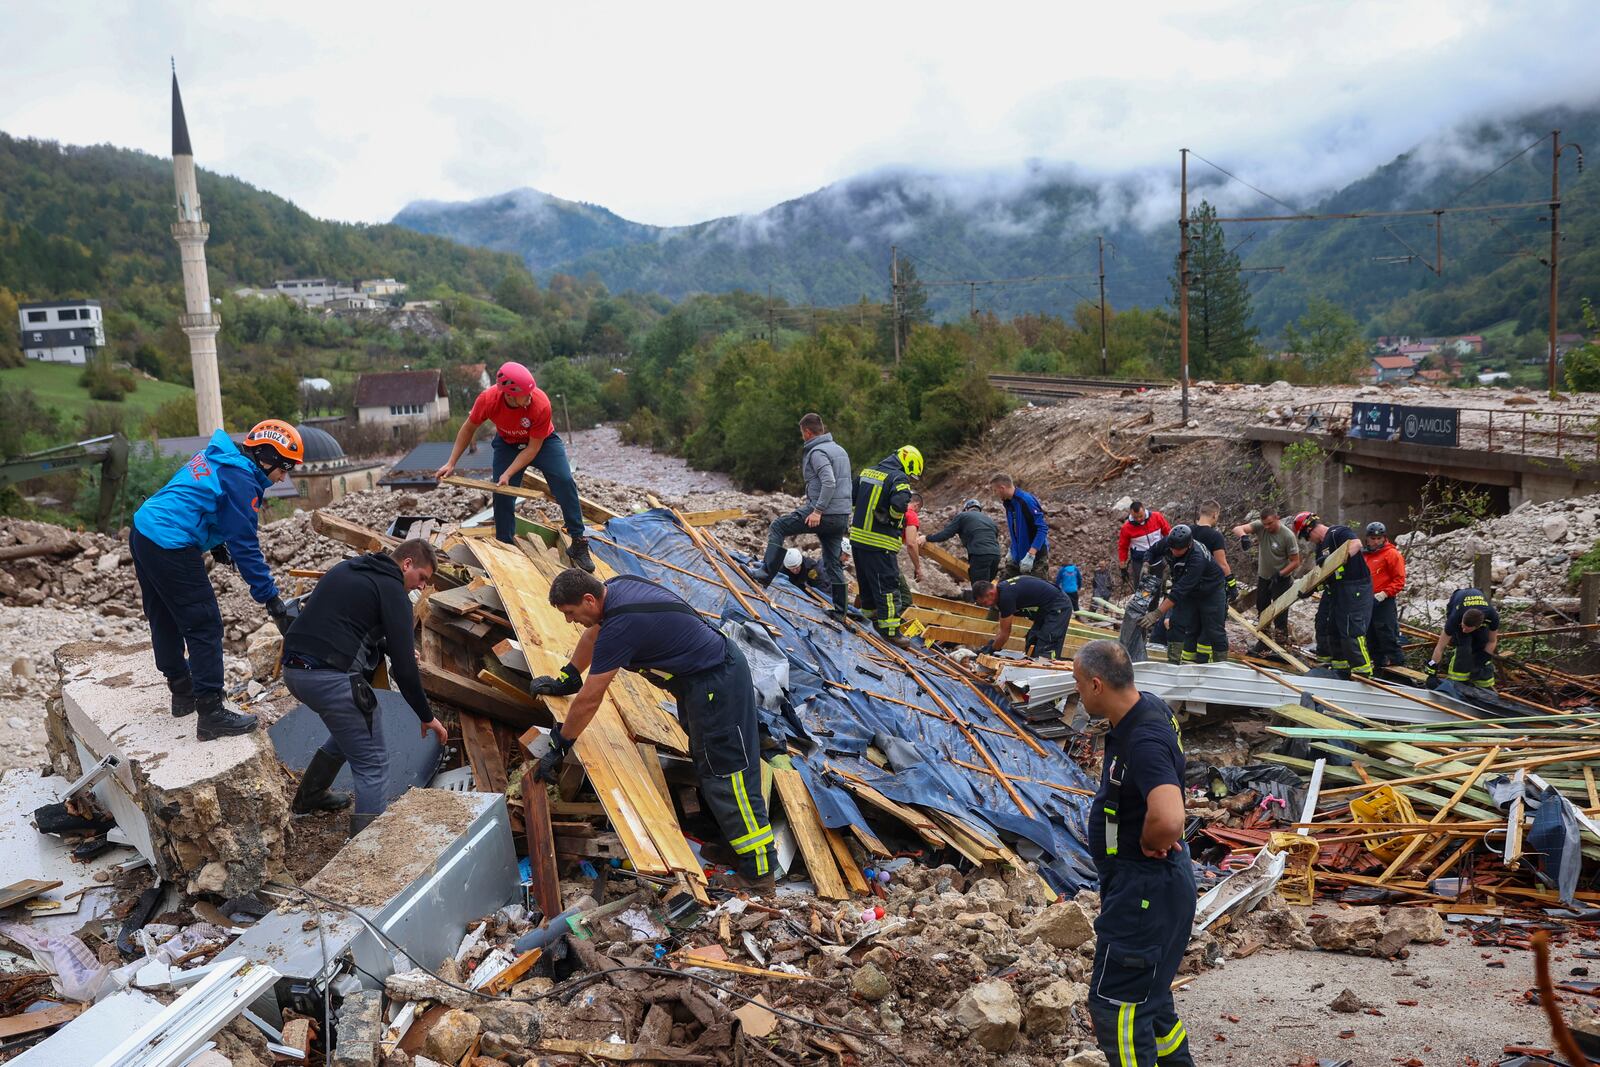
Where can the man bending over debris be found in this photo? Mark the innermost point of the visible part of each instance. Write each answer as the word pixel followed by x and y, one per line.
pixel 633 623
pixel 826 469
pixel 359 610
pixel 1471 632
pixel 1345 613
pixel 211 505
pixel 877 530
pixel 979 536
pixel 525 436
pixel 1388 569
pixel 1147 888
pixel 1041 602
pixel 1026 529
pixel 1197 599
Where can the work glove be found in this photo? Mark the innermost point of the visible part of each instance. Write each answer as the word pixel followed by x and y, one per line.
pixel 282 615
pixel 568 682
pixel 223 557
pixel 1147 622
pixel 1246 542
pixel 1380 597
pixel 1125 572
pixel 550 750
pixel 1025 565
pixel 986 648
pixel 1431 673
pixel 1233 589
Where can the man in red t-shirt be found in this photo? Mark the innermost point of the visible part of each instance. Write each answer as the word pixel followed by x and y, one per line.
pixel 524 437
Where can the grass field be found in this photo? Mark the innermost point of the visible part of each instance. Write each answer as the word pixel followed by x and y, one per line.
pixel 56 386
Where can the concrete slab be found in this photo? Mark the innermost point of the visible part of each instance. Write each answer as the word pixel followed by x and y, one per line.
pixel 26 853
pixel 208 815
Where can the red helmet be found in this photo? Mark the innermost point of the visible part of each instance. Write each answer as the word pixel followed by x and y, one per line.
pixel 275 443
pixel 1302 521
pixel 514 378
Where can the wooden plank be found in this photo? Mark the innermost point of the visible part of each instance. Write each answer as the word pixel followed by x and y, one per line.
pixel 930 617
pixel 652 764
pixel 1256 632
pixel 847 862
pixel 483 753
pixel 355 535
pixel 26 889
pixel 1307 582
pixel 809 833
pixel 955 568
pixel 541 841
pixel 514 972
pixel 914 820
pixel 32 1022
pixel 1439 817
pixel 470 693
pixel 973 638
pixel 534 487
pixel 1513 849
pixel 694 958
pixel 711 518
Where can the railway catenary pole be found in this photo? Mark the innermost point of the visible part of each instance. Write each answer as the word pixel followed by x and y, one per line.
pixel 1183 278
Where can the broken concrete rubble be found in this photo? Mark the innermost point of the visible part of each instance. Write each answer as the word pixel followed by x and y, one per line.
pixel 1370 931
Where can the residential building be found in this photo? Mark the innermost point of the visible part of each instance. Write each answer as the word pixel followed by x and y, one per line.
pixel 1468 344
pixel 61 331
pixel 1393 368
pixel 353 302
pixel 419 305
pixel 1493 376
pixel 1434 377
pixel 381 287
pixel 1416 351
pixel 402 398
pixel 312 292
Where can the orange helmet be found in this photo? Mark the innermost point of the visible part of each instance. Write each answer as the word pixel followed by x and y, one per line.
pixel 275 443
pixel 1302 521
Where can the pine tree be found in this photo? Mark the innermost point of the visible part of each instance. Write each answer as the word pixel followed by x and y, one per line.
pixel 1220 328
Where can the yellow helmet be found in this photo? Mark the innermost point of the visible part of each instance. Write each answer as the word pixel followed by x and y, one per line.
pixel 910 458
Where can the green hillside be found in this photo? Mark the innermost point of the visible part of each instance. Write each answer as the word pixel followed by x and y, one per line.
pixel 55 386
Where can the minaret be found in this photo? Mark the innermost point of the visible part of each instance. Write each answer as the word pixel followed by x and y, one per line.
pixel 191 231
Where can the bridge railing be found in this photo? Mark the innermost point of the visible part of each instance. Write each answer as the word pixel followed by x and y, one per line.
pixel 1574 434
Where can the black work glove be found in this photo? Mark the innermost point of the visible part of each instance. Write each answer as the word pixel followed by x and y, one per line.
pixel 282 615
pixel 568 682
pixel 223 557
pixel 1125 572
pixel 1431 674
pixel 1233 589
pixel 549 764
pixel 986 648
pixel 1246 542
pixel 1148 620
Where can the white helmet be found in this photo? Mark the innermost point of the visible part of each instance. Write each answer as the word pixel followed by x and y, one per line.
pixel 792 559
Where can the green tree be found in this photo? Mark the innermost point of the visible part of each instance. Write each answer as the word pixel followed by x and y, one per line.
pixel 174 418
pixel 1582 365
pixel 1328 341
pixel 10 342
pixel 1220 328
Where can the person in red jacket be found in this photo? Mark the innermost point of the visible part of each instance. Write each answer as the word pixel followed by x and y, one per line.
pixel 1140 530
pixel 1388 569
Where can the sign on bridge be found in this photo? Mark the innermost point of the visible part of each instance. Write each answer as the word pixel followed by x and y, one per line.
pixel 1399 422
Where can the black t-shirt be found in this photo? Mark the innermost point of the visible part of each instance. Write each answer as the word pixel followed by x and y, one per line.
pixel 1144 750
pixel 1027 595
pixel 1211 537
pixel 675 642
pixel 1460 601
pixel 1355 568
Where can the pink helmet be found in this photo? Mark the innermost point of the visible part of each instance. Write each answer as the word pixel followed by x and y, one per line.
pixel 514 378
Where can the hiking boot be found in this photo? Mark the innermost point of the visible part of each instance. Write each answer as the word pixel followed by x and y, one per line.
pixel 898 640
pixel 314 794
pixel 359 821
pixel 760 885
pixel 218 719
pixel 578 554
pixel 182 697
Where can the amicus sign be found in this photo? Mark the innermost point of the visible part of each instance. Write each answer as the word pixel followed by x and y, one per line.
pixel 1412 425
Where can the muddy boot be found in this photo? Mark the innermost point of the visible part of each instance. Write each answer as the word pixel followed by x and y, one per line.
pixel 217 719
pixel 359 821
pixel 756 885
pixel 182 696
pixel 578 554
pixel 313 794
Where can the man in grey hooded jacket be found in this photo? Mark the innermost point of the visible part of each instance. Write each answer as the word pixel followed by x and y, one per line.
pixel 830 488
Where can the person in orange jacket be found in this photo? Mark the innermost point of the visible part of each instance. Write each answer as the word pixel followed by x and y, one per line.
pixel 1388 569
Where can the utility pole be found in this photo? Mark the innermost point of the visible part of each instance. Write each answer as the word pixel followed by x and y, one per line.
pixel 1183 277
pixel 1104 369
pixel 894 295
pixel 772 333
pixel 1556 148
pixel 972 297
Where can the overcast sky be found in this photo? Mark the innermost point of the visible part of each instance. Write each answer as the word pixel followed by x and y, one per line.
pixel 673 113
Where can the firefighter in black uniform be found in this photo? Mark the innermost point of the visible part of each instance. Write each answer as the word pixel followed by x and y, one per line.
pixel 1471 633
pixel 1345 614
pixel 1197 599
pixel 1147 887
pixel 633 623
pixel 1042 603
pixel 877 530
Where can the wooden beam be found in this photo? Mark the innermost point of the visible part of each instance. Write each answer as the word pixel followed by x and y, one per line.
pixel 31 1022
pixel 955 568
pixel 483 753
pixel 353 534
pixel 1261 636
pixel 1308 582
pixel 711 518
pixel 534 487
pixel 541 841
pixel 809 833
pixel 1439 817
pixel 470 693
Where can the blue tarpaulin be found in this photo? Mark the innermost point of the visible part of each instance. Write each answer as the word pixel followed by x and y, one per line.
pixel 832 727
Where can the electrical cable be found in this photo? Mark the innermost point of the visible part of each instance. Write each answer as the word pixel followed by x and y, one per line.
pixel 1244 183
pixel 1542 138
pixel 572 985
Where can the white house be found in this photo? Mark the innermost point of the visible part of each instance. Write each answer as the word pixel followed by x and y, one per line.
pixel 381 287
pixel 61 331
pixel 312 292
pixel 402 398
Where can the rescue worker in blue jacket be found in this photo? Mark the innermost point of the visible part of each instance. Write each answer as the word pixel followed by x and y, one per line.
pixel 1147 886
pixel 210 505
pixel 877 529
pixel 634 624
pixel 1029 536
pixel 1345 614
pixel 1197 599
pixel 1471 633
pixel 1069 580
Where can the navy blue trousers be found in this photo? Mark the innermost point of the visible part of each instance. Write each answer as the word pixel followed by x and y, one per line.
pixel 181 608
pixel 1146 912
pixel 550 462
